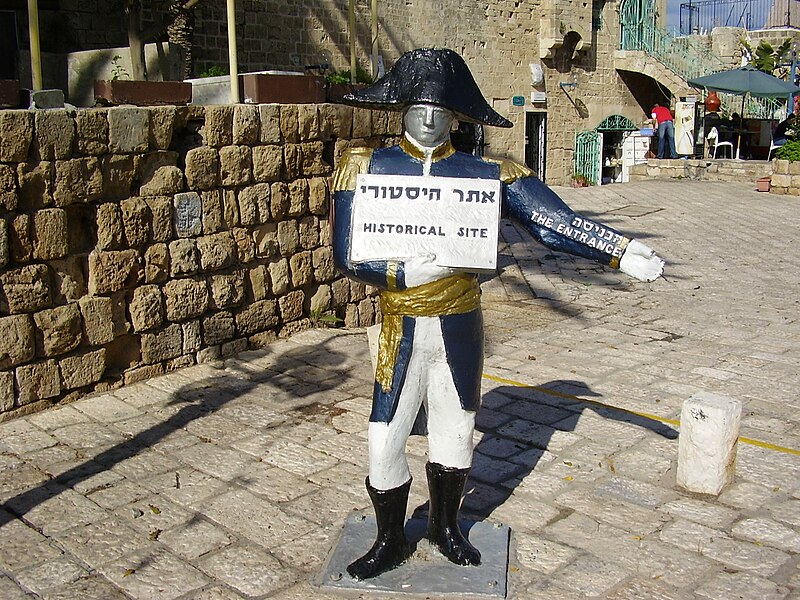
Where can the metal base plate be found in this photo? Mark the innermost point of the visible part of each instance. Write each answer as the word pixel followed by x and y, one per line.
pixel 427 571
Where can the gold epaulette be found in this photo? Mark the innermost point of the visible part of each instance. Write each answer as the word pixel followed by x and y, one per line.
pixel 511 171
pixel 353 163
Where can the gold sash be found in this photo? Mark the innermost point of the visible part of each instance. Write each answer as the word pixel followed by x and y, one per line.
pixel 454 295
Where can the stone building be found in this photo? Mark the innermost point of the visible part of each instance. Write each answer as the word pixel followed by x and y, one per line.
pixel 550 66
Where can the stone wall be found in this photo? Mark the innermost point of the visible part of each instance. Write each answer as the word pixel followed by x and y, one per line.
pixel 135 241
pixel 703 169
pixel 785 178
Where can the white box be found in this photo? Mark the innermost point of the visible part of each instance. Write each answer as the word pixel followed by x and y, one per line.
pixel 398 217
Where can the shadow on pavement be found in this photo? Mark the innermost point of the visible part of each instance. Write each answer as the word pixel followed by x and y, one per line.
pixel 194 401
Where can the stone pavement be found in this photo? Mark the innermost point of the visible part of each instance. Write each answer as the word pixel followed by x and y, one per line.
pixel 232 480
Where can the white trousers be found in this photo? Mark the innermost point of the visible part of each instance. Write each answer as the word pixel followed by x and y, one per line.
pixel 450 427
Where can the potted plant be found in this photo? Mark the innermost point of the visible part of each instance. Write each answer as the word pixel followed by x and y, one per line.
pixel 338 83
pixel 134 87
pixel 579 180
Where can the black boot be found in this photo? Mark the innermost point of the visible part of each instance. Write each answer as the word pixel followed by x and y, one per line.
pixel 391 548
pixel 446 484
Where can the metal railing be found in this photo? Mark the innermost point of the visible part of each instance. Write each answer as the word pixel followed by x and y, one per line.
pixel 701 16
pixel 686 56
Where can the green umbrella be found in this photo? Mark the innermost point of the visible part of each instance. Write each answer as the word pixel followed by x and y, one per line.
pixel 746 81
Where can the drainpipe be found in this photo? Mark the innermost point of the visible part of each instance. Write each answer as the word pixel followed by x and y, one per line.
pixel 352 27
pixel 232 56
pixel 36 55
pixel 374 23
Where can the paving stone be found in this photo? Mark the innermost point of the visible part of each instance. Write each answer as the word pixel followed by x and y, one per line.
pixel 542 554
pixel 22 547
pixel 153 574
pixel 52 509
pixel 591 576
pixel 768 532
pixel 248 570
pixel 195 538
pixel 102 541
pixel 10 590
pixel 50 574
pixel 700 512
pixel 91 587
pixel 733 585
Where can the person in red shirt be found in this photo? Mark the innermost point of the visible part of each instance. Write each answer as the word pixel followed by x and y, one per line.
pixel 666 131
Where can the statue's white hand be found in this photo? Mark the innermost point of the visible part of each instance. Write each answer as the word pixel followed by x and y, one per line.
pixel 641 262
pixel 423 269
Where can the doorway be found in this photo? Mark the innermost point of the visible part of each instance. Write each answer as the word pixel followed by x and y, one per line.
pixel 536 143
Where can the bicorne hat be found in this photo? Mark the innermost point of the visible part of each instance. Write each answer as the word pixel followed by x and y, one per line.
pixel 430 75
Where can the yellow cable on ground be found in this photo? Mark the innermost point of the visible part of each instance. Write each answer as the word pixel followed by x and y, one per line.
pixel 558 394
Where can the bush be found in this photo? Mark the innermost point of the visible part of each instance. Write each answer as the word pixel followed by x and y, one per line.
pixel 344 76
pixel 789 151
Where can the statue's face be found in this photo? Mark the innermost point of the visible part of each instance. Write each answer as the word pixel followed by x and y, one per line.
pixel 428 124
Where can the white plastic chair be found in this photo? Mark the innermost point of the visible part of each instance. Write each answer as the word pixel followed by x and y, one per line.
pixel 772 147
pixel 713 139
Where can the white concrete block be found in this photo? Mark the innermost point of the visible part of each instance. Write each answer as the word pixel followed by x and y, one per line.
pixel 707 443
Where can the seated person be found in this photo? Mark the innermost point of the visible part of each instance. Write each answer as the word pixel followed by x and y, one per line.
pixel 779 135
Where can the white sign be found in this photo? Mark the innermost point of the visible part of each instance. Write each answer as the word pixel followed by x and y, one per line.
pixel 400 217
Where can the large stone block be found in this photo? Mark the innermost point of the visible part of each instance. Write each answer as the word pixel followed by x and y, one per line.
pixel 8 188
pixel 58 330
pixel 308 121
pixel 35 185
pixel 109 226
pixel 340 289
pixel 257 316
pixel 38 381
pixel 291 306
pixel 50 238
pixel 230 209
pixel 258 278
pixel 298 197
pixel 159 174
pixel 235 165
pixel 5 243
pixel 20 239
pixel 183 258
pixel 118 173
pixel 162 345
pixel 290 130
pixel 17 342
pixel 111 271
pixel 300 268
pixel 156 263
pixel 136 221
pixel 227 290
pixel 218 328
pixel 309 232
pixel 6 391
pixel 288 237
pixel 128 130
pixel 265 238
pixel 322 261
pixel 202 168
pixel 267 163
pixel 254 204
pixel 55 134
pixel 213 216
pixel 217 251
pixel 337 120
pixel 279 276
pixel 707 443
pixel 26 289
pixel 187 215
pixel 321 300
pixel 312 160
pixel 92 131
pixel 78 180
pixel 246 124
pixel 245 247
pixel 362 122
pixel 358 290
pixel 16 131
pixel 82 370
pixel 218 128
pixel 162 125
pixel 270 117
pixel 69 279
pixel 98 319
pixel 192 340
pixel 185 298
pixel 160 208
pixel 279 200
pixel 292 161
pixel 146 308
pixel 318 196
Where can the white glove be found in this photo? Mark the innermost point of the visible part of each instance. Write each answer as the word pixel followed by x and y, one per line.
pixel 422 269
pixel 641 262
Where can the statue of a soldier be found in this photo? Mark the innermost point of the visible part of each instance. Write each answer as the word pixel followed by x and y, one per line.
pixel 430 355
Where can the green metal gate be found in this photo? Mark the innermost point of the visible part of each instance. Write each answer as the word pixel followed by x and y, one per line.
pixel 637 23
pixel 587 155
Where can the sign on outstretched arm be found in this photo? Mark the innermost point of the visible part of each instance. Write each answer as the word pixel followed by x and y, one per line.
pixel 399 217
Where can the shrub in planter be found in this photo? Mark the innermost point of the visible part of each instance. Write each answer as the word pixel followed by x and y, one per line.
pixel 789 151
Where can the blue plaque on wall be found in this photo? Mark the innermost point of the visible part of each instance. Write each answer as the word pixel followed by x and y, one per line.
pixel 518 100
